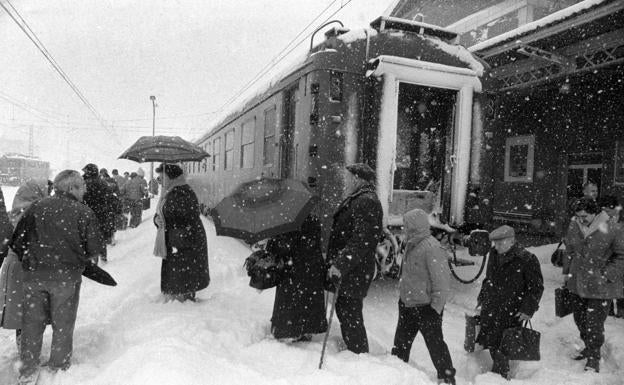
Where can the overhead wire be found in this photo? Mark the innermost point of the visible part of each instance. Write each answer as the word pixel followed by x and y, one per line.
pixel 41 47
pixel 273 61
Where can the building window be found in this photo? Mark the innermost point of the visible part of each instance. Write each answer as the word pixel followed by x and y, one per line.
pixel 247 143
pixel 228 161
pixel 205 161
pixel 519 158
pixel 335 86
pixel 269 136
pixel 216 153
pixel 619 162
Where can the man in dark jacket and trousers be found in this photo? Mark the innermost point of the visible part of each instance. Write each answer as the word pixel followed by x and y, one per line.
pixel 355 232
pixel 593 270
pixel 424 287
pixel 100 198
pixel 510 293
pixel 55 239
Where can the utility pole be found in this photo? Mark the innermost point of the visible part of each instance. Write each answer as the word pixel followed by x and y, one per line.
pixel 153 99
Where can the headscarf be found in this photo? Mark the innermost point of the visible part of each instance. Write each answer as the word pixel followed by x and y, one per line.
pixel 28 193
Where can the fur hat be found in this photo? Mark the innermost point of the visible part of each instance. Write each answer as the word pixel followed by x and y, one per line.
pixel 91 170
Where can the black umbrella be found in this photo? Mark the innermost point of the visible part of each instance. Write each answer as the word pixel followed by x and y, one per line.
pixel 263 208
pixel 164 149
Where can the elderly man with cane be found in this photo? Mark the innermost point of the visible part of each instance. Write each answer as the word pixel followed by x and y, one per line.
pixel 355 232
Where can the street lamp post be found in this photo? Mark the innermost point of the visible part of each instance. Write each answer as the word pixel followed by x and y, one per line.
pixel 153 99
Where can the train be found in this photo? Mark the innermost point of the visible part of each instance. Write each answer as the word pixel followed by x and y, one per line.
pixel 357 97
pixel 15 169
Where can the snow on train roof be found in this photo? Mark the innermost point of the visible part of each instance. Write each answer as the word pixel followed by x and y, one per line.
pixel 293 65
pixel 550 19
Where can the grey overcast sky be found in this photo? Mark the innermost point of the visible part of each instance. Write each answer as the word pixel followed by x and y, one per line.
pixel 193 55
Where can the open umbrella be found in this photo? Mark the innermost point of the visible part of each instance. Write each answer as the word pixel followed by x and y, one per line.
pixel 164 149
pixel 263 208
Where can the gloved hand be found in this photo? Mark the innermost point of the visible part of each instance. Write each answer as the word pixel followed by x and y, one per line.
pixel 333 275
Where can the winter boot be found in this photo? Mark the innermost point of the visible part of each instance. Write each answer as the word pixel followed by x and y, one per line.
pixel 30 379
pixel 592 365
pixel 580 355
pixel 447 380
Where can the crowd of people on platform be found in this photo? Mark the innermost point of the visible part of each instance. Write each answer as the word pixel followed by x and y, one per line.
pixel 50 239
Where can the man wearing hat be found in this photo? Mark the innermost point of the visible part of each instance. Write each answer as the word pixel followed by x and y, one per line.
pixel 510 293
pixel 355 232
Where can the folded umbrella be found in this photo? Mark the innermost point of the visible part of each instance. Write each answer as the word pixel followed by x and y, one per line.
pixel 263 208
pixel 99 275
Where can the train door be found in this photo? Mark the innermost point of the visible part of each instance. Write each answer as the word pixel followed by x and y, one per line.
pixel 424 146
pixel 287 138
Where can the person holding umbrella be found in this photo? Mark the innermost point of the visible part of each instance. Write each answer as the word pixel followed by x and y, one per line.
pixel 354 235
pixel 181 238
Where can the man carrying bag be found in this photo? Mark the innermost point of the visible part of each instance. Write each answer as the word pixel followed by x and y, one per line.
pixel 510 294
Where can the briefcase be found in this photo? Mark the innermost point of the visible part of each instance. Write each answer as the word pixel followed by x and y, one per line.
pixel 146 203
pixel 564 303
pixel 521 343
pixel 473 324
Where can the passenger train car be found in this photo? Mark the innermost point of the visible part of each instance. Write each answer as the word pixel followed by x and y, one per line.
pixel 360 96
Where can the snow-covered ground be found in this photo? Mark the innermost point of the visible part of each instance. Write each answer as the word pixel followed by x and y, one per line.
pixel 127 335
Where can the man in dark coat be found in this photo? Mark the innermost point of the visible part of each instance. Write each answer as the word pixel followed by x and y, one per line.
pixel 510 293
pixel 299 308
pixel 184 269
pixel 355 232
pixel 100 198
pixel 593 271
pixel 55 239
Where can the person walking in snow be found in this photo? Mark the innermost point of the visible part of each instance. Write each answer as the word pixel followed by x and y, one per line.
pixel 353 239
pixel 55 239
pixel 299 308
pixel 424 286
pixel 11 273
pixel 510 293
pixel 181 238
pixel 100 198
pixel 593 272
pixel 134 190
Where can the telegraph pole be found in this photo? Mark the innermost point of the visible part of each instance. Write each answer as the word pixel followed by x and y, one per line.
pixel 153 99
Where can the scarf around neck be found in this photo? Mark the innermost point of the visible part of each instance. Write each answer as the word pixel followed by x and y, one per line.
pixel 160 246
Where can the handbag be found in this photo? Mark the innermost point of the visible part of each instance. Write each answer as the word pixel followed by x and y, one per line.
pixel 564 303
pixel 557 256
pixel 146 203
pixel 263 269
pixel 521 343
pixel 473 324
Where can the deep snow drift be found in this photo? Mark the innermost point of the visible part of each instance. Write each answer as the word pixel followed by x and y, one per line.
pixel 127 335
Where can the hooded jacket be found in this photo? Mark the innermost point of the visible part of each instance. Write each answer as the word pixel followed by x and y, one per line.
pixel 425 275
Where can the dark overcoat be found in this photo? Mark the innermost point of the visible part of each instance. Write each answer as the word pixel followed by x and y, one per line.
pixel 185 269
pixel 355 233
pixel 299 306
pixel 100 198
pixel 513 283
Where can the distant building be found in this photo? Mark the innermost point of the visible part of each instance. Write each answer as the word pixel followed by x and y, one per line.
pixel 17 168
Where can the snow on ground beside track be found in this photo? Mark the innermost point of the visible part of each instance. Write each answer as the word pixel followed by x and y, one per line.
pixel 127 335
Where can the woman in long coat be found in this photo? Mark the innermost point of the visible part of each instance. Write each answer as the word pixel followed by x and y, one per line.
pixel 11 292
pixel 181 238
pixel 299 307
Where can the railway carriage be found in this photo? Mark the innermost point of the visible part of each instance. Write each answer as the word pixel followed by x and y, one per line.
pixel 401 96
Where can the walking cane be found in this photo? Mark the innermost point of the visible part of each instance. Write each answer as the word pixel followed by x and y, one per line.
pixel 331 317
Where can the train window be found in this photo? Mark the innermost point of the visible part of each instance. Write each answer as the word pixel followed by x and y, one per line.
pixel 248 141
pixel 269 136
pixel 228 161
pixel 216 153
pixel 335 86
pixel 314 108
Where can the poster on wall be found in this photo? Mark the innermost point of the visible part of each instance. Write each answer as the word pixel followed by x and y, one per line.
pixel 619 162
